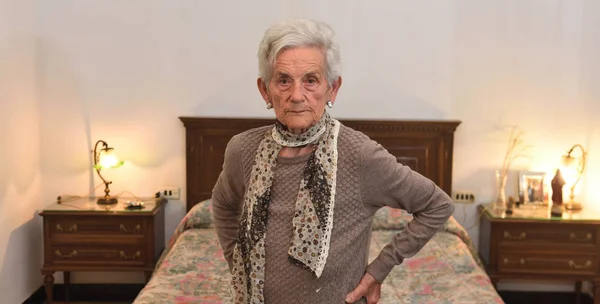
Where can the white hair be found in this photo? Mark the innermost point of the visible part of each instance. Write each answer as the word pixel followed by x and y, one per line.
pixel 299 33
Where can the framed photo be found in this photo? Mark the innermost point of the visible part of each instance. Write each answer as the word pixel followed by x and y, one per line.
pixel 531 188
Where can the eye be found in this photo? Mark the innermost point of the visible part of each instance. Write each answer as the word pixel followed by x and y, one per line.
pixel 283 81
pixel 312 80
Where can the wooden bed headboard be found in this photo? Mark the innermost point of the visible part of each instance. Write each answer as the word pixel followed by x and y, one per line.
pixel 425 146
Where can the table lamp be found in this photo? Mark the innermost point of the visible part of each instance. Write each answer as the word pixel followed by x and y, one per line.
pixel 103 159
pixel 572 171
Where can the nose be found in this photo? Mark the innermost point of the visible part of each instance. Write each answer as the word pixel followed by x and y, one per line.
pixel 297 94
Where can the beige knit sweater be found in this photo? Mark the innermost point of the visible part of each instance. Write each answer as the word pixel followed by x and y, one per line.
pixel 368 177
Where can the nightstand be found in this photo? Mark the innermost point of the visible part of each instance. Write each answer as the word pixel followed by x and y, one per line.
pixel 80 235
pixel 530 244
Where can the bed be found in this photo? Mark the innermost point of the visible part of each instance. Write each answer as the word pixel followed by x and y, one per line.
pixel 447 270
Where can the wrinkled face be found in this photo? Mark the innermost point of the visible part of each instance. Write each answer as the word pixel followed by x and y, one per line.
pixel 298 88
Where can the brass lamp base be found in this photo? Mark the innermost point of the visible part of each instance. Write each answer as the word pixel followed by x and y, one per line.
pixel 573 206
pixel 107 200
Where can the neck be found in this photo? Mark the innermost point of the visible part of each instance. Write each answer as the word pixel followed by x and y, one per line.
pixel 297 131
pixel 294 152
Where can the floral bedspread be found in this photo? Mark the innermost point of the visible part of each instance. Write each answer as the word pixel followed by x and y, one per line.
pixel 447 270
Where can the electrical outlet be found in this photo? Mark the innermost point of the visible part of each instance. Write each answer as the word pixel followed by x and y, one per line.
pixel 171 193
pixel 463 197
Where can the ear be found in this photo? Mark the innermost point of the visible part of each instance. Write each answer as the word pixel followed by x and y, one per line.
pixel 262 88
pixel 335 89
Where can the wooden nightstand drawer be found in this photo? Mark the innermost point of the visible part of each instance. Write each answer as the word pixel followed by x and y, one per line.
pixel 552 235
pixel 531 244
pixel 83 236
pixel 97 225
pixel 513 262
pixel 122 255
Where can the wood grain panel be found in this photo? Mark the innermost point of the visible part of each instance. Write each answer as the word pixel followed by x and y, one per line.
pixel 530 235
pixel 97 225
pixel 547 263
pixel 81 254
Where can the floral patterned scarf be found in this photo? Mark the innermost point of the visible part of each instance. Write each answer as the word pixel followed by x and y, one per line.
pixel 313 216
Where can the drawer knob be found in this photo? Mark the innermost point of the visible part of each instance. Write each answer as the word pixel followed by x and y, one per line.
pixel 508 236
pixel 573 237
pixel 124 229
pixel 587 265
pixel 133 257
pixel 73 228
pixel 71 255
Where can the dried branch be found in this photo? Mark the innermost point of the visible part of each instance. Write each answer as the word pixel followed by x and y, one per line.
pixel 514 150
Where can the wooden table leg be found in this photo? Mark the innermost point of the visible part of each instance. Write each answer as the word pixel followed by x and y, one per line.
pixel 578 292
pixel 67 279
pixel 49 285
pixel 597 291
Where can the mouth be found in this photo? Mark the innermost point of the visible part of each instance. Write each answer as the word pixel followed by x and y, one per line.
pixel 297 112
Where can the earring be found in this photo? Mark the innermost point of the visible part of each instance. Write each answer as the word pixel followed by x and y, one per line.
pixel 269 106
pixel 330 104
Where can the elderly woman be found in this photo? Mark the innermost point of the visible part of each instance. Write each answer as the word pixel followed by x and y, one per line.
pixel 294 203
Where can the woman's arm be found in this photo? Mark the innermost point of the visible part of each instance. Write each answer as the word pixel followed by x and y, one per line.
pixel 385 182
pixel 228 198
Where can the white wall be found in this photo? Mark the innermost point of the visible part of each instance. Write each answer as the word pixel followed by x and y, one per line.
pixel 20 179
pixel 123 71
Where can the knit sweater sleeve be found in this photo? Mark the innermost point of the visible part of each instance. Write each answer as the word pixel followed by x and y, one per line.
pixel 385 182
pixel 228 198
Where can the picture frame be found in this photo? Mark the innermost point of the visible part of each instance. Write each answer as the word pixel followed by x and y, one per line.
pixel 531 188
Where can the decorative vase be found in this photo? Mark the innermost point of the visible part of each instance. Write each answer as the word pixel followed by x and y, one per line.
pixel 500 203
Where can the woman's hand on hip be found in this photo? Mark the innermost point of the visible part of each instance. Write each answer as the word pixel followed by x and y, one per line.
pixel 368 288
